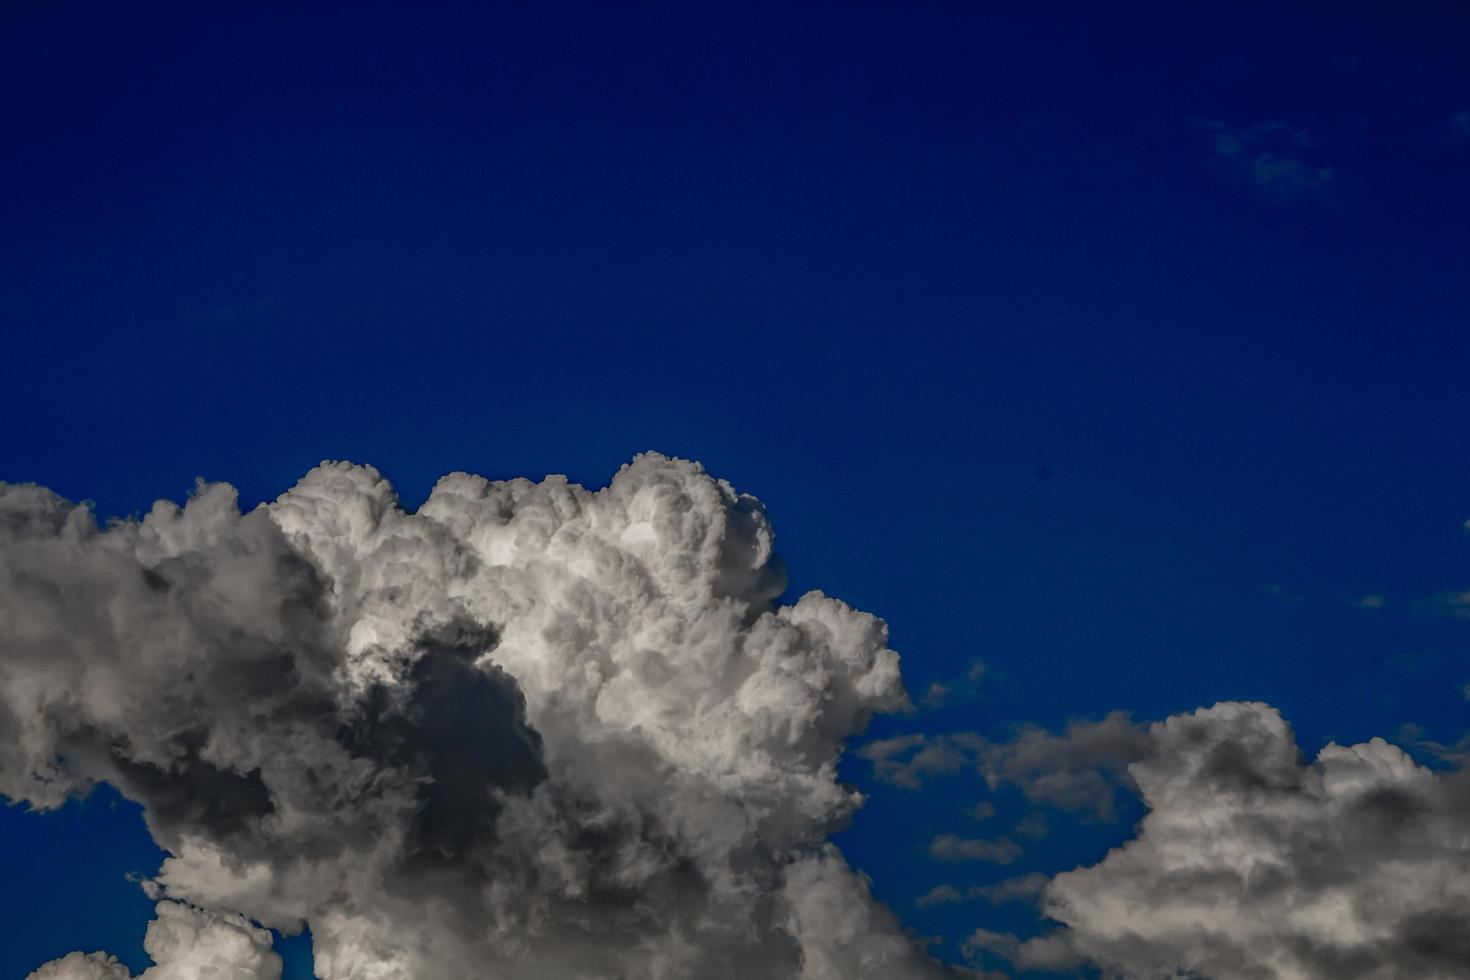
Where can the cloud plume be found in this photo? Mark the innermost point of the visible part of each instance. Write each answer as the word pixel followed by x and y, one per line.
pixel 528 730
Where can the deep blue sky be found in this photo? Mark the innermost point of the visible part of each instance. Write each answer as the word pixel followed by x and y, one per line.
pixel 878 265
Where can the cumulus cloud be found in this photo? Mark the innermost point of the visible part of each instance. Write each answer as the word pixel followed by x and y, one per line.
pixel 185 943
pixel 529 730
pixel 82 966
pixel 1252 863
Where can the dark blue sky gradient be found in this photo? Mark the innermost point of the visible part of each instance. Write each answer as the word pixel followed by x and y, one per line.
pixel 876 265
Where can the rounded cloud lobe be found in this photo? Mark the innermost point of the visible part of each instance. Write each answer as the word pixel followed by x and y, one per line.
pixel 1253 864
pixel 186 943
pixel 529 730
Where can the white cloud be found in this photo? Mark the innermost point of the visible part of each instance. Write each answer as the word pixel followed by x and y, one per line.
pixel 185 943
pixel 530 730
pixel 82 966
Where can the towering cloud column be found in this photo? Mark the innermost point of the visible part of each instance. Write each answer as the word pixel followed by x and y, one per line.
pixel 530 730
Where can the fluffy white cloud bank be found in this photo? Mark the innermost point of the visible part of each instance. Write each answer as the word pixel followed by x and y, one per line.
pixel 1254 864
pixel 530 730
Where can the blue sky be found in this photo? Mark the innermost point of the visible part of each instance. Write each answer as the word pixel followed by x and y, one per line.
pixel 1123 353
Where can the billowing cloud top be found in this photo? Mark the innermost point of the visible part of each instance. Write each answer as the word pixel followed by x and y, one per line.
pixel 530 730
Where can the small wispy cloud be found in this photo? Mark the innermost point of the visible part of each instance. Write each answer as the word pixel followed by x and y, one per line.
pixel 1457 128
pixel 1449 605
pixel 1274 157
pixel 953 847
pixel 1026 888
pixel 1282 594
pixel 1079 770
pixel 908 760
pixel 940 895
pixel 1032 825
pixel 983 810
pixel 963 688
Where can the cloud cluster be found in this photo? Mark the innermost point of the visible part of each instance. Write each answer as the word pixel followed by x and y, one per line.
pixel 1252 863
pixel 529 730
